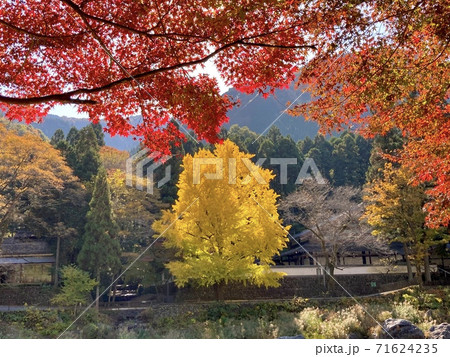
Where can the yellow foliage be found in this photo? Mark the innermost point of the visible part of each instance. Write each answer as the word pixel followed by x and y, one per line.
pixel 28 165
pixel 113 159
pixel 221 226
pixel 394 206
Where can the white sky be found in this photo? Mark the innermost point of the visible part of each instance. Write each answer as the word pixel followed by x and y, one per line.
pixel 70 110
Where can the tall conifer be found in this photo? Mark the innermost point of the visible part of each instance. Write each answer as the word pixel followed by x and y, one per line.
pixel 100 253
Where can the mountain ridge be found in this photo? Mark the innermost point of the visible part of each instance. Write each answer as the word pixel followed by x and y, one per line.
pixel 254 112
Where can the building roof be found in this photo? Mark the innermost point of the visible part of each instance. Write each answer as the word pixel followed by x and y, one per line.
pixel 20 245
pixel 27 260
pixel 311 244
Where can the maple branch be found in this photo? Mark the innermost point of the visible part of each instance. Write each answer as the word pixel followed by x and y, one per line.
pixel 173 35
pixel 67 96
pixel 61 98
pixel 37 35
pixel 145 33
pixel 260 44
pixel 380 69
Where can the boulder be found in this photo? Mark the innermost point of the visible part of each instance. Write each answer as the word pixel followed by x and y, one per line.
pixel 440 331
pixel 399 328
pixel 355 335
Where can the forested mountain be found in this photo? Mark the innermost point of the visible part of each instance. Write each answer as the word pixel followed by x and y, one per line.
pixel 53 122
pixel 254 111
pixel 258 113
pixel 21 129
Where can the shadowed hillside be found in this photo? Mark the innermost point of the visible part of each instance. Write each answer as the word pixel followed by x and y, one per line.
pixel 258 113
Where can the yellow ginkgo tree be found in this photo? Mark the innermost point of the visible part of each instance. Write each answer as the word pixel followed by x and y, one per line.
pixel 224 225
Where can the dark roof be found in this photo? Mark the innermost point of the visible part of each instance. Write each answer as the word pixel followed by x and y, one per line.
pixel 307 245
pixel 312 245
pixel 24 246
pixel 397 247
pixel 302 235
pixel 27 260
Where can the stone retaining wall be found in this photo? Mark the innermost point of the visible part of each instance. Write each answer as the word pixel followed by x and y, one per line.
pixel 301 286
pixel 25 294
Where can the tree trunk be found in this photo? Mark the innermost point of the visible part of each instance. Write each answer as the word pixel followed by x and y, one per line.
pixel 110 293
pixel 114 292
pixel 329 272
pixel 419 274
pixel 408 263
pixel 58 248
pixel 330 281
pixel 427 268
pixel 97 293
pixel 218 290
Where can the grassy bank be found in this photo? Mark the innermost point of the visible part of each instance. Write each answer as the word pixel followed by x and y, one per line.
pixel 314 319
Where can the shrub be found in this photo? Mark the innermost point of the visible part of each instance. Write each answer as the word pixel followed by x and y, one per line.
pixel 147 315
pixel 287 324
pixel 76 288
pixel 310 322
pixel 405 310
pixel 45 322
pixel 96 331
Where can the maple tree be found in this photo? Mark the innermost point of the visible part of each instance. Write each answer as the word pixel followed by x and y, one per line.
pixel 394 209
pixel 113 58
pixel 373 64
pixel 30 170
pixel 385 66
pixel 222 230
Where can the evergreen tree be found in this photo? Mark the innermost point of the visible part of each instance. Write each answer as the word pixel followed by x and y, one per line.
pixel 383 145
pixel 244 138
pixel 98 130
pixel 282 147
pixel 321 152
pixel 169 190
pixel 57 137
pixel 87 154
pixel 364 151
pixel 100 253
pixel 345 162
pixel 266 148
pixel 66 145
pixel 72 136
pixel 305 145
pixel 274 134
pixel 342 160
